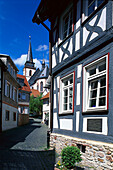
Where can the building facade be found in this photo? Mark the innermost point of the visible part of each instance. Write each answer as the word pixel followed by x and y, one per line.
pixel 82 50
pixel 23 95
pixel 9 94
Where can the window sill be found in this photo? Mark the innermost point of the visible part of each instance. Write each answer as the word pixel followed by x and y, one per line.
pixel 65 39
pixel 93 13
pixel 88 112
pixel 65 113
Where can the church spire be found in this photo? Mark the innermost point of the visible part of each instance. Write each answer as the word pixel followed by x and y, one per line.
pixel 29 55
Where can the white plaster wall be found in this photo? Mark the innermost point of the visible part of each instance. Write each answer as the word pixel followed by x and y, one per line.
pixel 78 94
pixel 79 70
pixel 8 124
pixel 46 108
pixel 55 121
pixel 66 124
pixel 27 73
pixel 77 120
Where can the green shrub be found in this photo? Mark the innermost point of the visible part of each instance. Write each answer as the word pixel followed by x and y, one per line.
pixel 70 155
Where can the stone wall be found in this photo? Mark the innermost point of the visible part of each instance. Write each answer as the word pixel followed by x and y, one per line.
pixel 94 154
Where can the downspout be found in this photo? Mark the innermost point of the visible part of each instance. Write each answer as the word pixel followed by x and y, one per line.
pixel 50 71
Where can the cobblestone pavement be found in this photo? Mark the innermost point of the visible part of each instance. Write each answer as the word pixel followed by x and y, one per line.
pixel 24 148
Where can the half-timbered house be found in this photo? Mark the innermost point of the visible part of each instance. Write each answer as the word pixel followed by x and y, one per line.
pixel 81 43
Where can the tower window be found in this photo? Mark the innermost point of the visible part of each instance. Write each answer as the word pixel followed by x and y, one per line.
pixel 41 86
pixel 30 73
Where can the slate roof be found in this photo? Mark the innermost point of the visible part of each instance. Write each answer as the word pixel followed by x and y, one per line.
pixel 35 93
pixel 44 73
pixel 46 96
pixel 26 86
pixel 34 77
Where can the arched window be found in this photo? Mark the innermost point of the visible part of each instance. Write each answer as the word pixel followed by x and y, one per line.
pixel 41 86
pixel 30 72
pixel 37 87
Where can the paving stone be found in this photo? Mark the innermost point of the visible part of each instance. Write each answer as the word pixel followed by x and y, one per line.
pixel 22 148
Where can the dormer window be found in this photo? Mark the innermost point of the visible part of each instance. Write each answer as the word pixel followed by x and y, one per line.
pixel 67 24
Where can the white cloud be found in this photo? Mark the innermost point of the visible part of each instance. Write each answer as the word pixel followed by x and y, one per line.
pixel 42 48
pixel 21 61
pixel 37 63
pixel 46 61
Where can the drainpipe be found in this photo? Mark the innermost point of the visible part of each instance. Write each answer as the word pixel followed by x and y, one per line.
pixel 50 71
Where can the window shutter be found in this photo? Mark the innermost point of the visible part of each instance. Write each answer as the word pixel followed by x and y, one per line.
pixel 10 90
pixel 5 87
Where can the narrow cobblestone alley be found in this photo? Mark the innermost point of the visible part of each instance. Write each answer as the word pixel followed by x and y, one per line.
pixel 24 148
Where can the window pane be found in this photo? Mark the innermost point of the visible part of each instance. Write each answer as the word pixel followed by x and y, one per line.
pixel 65 106
pixel 65 99
pixel 94 85
pixel 102 101
pixel 66 92
pixel 102 82
pixel 91 8
pixel 99 2
pixel 71 91
pixel 65 83
pixel 102 67
pixel 92 103
pixel 103 91
pixel 71 80
pixel 70 106
pixel 70 99
pixel 93 94
pixel 93 71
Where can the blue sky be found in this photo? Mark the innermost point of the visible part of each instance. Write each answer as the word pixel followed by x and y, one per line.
pixel 15 27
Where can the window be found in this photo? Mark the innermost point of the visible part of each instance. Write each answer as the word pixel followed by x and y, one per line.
pixel 23 96
pixel 19 95
pixel 30 72
pixel 90 6
pixel 67 24
pixel 95 125
pixel 9 67
pixel 93 5
pixel 41 86
pixel 7 115
pixel 15 94
pixel 8 89
pixel 95 85
pixel 14 116
pixel 11 71
pixel 37 87
pixel 66 94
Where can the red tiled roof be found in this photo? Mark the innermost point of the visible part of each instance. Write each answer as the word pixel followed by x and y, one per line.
pixel 46 96
pixel 26 87
pixel 35 93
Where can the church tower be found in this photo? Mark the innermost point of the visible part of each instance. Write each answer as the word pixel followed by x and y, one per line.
pixel 29 67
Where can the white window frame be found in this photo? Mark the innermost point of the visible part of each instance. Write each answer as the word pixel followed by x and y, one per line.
pixel 104 125
pixel 85 9
pixel 61 110
pixel 86 81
